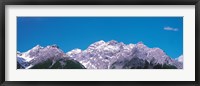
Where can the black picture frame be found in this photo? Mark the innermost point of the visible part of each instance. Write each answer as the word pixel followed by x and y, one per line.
pixel 98 2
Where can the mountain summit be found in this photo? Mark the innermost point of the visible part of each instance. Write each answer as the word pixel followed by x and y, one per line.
pixel 101 55
pixel 113 54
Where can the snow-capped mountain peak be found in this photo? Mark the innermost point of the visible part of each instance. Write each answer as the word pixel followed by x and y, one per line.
pixel 37 47
pixel 112 42
pixel 102 55
pixel 73 52
pixel 141 45
pixel 98 43
pixel 106 53
pixel 180 58
pixel 39 54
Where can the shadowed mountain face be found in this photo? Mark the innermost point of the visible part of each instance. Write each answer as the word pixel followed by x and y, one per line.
pixel 59 64
pixel 99 55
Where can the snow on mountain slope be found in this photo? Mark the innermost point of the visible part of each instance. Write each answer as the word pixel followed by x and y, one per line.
pixel 73 53
pixel 102 55
pixel 180 58
pixel 39 54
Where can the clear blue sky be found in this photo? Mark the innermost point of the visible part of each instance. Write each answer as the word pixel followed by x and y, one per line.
pixel 79 32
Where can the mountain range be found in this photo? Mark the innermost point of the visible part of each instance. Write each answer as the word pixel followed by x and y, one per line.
pixel 99 55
